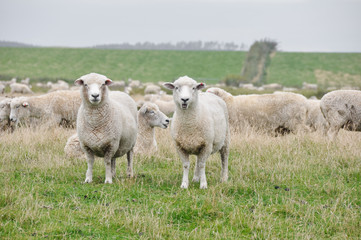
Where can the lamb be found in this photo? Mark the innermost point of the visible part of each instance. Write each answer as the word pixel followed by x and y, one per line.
pixel 200 127
pixel 273 113
pixel 342 109
pixel 106 127
pixel 59 107
pixel 149 117
pixel 20 88
pixel 315 119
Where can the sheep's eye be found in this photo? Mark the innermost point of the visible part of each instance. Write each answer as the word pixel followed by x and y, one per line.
pixel 151 112
pixel 85 85
pixel 194 88
pixel 176 88
pixel 18 106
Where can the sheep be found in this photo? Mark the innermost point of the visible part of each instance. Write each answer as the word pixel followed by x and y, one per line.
pixel 5 114
pixel 2 89
pixel 106 127
pixel 273 113
pixel 167 107
pixel 60 85
pixel 58 107
pixel 152 89
pixel 25 81
pixel 315 119
pixel 342 109
pixel 149 117
pixel 199 127
pixel 20 88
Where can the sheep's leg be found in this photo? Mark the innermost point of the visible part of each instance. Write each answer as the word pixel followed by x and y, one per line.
pixel 130 163
pixel 224 158
pixel 108 169
pixel 113 167
pixel 196 173
pixel 201 162
pixel 185 159
pixel 89 172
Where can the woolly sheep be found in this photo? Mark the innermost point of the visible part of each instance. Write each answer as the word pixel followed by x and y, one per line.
pixel 149 117
pixel 2 88
pixel 58 107
pixel 5 114
pixel 315 119
pixel 342 109
pixel 200 127
pixel 152 89
pixel 72 147
pixel 167 107
pixel 25 81
pixel 60 85
pixel 20 88
pixel 106 127
pixel 272 113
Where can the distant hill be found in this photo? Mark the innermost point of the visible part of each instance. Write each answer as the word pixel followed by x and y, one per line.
pixel 14 44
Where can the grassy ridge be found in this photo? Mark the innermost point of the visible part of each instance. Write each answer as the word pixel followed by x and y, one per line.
pixel 292 187
pixel 148 66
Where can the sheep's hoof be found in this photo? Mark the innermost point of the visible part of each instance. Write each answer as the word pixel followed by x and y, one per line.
pixel 195 179
pixel 184 185
pixel 203 186
pixel 88 180
pixel 110 181
pixel 224 179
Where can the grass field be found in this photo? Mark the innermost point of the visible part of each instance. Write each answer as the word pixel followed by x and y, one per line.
pixel 289 69
pixel 294 187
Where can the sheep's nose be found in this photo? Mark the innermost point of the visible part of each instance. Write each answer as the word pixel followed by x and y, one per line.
pixel 185 99
pixel 167 120
pixel 13 119
pixel 95 95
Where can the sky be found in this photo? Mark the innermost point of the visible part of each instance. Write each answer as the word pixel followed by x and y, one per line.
pixel 297 25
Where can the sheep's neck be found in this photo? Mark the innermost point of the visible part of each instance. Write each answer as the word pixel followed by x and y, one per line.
pixel 99 115
pixel 146 133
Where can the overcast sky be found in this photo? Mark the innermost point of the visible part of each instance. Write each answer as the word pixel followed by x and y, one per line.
pixel 298 25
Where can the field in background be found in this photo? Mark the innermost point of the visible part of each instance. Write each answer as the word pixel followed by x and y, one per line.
pixel 292 187
pixel 289 69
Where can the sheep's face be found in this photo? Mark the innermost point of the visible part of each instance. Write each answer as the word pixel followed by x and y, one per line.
pixel 153 116
pixel 19 109
pixel 94 87
pixel 185 91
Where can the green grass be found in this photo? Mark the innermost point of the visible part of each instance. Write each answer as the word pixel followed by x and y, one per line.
pixel 292 69
pixel 147 66
pixel 289 187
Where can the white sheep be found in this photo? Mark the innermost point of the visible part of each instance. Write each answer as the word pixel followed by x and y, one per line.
pixel 200 127
pixel 149 116
pixel 315 119
pixel 272 113
pixel 25 81
pixel 106 127
pixel 20 88
pixel 167 107
pixel 59 85
pixel 58 107
pixel 2 88
pixel 152 89
pixel 5 114
pixel 342 109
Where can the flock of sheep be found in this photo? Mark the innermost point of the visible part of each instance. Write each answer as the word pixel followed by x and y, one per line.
pixel 109 125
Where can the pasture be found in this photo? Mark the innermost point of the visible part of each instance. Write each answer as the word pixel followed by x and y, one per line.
pixel 296 186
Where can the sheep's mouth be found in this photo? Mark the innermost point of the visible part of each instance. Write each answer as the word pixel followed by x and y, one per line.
pixel 184 105
pixel 95 101
pixel 165 125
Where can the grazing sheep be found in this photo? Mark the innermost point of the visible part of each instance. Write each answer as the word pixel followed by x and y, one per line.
pixel 20 88
pixel 272 113
pixel 152 89
pixel 342 109
pixel 167 107
pixel 72 147
pixel 5 114
pixel 58 107
pixel 25 81
pixel 200 127
pixel 2 89
pixel 149 117
pixel 60 85
pixel 315 119
pixel 106 127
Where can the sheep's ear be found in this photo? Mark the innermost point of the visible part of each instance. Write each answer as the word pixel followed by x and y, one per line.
pixel 143 110
pixel 25 104
pixel 169 85
pixel 200 86
pixel 108 82
pixel 79 82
